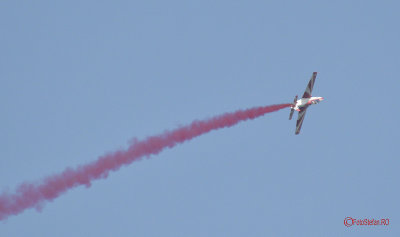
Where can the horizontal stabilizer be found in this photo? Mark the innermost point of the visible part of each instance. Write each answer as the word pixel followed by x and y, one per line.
pixel 292 109
pixel 291 113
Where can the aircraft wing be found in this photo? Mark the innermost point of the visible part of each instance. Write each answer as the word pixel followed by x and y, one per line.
pixel 300 119
pixel 307 93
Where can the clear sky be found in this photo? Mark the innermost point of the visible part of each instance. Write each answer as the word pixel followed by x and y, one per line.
pixel 82 78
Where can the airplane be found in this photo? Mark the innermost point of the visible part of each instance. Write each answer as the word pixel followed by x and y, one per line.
pixel 302 104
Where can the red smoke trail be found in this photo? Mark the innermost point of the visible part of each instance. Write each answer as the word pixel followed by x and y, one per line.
pixel 30 195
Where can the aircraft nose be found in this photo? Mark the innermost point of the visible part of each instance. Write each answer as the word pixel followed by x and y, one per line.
pixel 322 98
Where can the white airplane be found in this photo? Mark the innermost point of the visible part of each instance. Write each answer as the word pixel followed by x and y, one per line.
pixel 302 104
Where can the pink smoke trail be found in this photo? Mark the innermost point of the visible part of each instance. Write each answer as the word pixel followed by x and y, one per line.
pixel 29 195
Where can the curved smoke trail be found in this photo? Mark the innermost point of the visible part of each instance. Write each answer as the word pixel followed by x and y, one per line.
pixel 30 195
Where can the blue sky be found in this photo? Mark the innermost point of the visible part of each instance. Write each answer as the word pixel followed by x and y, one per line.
pixel 79 79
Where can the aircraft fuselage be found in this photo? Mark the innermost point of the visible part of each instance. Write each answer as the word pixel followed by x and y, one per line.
pixel 305 102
